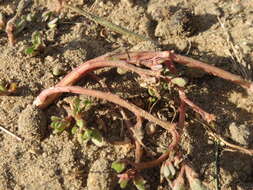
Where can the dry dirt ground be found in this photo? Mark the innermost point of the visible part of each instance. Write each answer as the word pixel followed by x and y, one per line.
pixel 59 161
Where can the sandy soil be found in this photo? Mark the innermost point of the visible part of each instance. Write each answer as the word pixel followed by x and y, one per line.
pixel 190 27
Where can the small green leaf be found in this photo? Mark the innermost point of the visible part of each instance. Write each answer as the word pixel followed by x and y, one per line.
pixel 181 82
pixel 87 103
pixel 96 138
pixel 87 135
pixel 2 88
pixel 80 123
pixel 74 130
pixel 59 124
pixel 123 183
pixel 118 166
pixel 29 50
pixel 140 183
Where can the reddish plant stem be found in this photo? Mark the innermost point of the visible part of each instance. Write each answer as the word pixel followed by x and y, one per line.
pixel 189 62
pixel 85 68
pixel 181 119
pixel 138 149
pixel 117 100
pixel 41 99
pixel 148 59
pixel 162 158
pixel 206 116
pixel 179 182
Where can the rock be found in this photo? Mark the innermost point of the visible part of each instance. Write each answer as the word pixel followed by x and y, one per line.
pixel 240 134
pixel 182 22
pixel 101 176
pixel 32 123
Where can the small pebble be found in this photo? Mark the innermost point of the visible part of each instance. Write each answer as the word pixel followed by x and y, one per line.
pixel 182 22
pixel 150 128
pixel 58 70
pixel 32 123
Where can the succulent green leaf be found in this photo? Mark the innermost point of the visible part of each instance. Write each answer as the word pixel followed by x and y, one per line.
pixel 118 166
pixel 36 39
pixel 74 130
pixel 123 183
pixel 179 81
pixel 2 88
pixel 59 124
pixel 87 135
pixel 80 123
pixel 140 183
pixel 87 103
pixel 96 137
pixel 76 106
pixel 29 50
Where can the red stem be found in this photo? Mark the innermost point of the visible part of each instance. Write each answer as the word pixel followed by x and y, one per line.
pixel 189 62
pixel 206 116
pixel 88 66
pixel 41 99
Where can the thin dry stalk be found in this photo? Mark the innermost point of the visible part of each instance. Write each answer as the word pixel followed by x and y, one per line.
pixel 235 53
pixel 131 107
pixel 110 25
pixel 221 139
pixel 10 133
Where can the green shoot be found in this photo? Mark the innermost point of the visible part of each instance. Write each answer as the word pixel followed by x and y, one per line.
pixel 59 124
pixel 37 44
pixel 123 183
pixel 79 107
pixel 140 183
pixel 119 166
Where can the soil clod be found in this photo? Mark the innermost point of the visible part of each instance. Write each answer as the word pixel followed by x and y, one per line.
pixel 32 123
